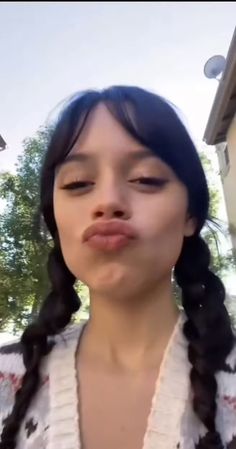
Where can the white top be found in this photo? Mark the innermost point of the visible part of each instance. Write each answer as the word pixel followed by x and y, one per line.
pixel 53 421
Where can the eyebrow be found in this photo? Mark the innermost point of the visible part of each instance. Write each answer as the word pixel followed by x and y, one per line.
pixel 132 156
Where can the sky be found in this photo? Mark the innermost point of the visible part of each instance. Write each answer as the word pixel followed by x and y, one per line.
pixel 49 50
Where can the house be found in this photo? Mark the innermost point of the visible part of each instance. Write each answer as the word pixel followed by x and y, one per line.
pixel 2 143
pixel 221 132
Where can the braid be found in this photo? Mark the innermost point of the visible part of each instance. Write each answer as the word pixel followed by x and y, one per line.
pixel 55 314
pixel 207 329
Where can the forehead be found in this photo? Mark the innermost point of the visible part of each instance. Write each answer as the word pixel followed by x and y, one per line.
pixel 103 131
pixel 104 138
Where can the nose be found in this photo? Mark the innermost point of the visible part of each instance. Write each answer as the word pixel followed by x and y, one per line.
pixel 111 202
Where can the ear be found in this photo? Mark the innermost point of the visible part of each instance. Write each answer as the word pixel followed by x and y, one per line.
pixel 190 226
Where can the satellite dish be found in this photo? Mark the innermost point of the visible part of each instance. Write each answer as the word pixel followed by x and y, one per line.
pixel 214 66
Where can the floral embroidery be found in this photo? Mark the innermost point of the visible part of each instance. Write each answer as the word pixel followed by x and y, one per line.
pixel 12 378
pixel 230 400
pixel 35 432
pixel 30 426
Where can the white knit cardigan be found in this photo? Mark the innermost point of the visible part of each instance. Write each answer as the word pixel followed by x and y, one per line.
pixel 53 422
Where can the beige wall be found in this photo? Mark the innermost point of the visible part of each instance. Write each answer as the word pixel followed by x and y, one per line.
pixel 229 180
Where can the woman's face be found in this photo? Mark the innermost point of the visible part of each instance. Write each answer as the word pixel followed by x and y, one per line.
pixel 101 182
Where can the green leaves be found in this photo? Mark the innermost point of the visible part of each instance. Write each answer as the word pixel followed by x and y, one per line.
pixel 216 232
pixel 24 244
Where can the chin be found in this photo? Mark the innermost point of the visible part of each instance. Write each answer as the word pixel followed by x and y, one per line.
pixel 108 285
pixel 110 280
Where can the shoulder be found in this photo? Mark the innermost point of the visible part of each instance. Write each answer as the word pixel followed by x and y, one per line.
pixel 32 431
pixel 11 368
pixel 226 400
pixel 11 347
pixel 11 374
pixel 11 358
pixel 11 354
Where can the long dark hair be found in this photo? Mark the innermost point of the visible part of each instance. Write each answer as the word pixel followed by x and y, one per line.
pixel 154 122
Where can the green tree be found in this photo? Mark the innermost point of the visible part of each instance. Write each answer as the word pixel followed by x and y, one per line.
pixel 24 245
pixel 24 240
pixel 215 232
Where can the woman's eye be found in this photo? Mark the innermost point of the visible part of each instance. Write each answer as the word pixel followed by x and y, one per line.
pixel 146 182
pixel 149 181
pixel 77 185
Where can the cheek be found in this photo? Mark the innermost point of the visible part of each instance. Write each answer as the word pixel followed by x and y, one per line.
pixel 69 217
pixel 69 222
pixel 167 214
pixel 165 229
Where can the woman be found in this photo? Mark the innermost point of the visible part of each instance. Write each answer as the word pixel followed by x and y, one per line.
pixel 124 196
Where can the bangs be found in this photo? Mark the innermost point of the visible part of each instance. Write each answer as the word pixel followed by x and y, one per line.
pixel 150 120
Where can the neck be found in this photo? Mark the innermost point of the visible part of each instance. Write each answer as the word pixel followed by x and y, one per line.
pixel 131 333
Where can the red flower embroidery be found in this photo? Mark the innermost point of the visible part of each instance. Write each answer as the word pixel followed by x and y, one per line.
pixel 16 381
pixel 230 400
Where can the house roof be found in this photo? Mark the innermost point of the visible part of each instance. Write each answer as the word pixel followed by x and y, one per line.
pixel 224 105
pixel 2 143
